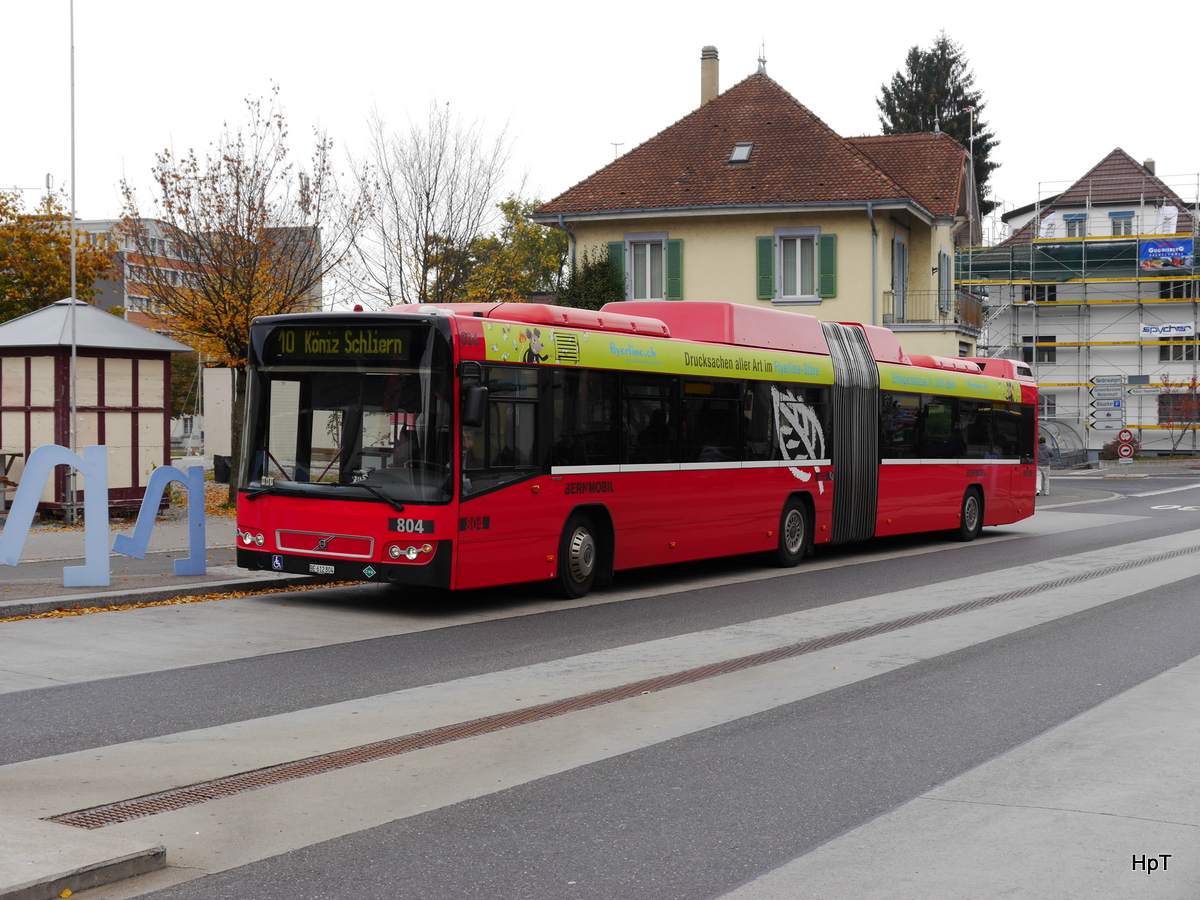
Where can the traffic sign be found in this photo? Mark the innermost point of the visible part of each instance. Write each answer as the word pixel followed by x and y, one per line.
pixel 1108 393
pixel 1145 390
pixel 1116 414
pixel 1125 451
pixel 1108 379
pixel 1107 404
pixel 1106 425
pixel 1125 436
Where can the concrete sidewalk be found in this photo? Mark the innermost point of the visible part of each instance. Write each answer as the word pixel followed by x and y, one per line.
pixel 36 584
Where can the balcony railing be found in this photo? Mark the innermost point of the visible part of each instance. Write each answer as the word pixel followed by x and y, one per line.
pixel 948 310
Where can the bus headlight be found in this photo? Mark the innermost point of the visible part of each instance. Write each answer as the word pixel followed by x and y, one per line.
pixel 250 538
pixel 411 552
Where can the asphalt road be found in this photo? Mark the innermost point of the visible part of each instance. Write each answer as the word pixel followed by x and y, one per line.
pixel 688 793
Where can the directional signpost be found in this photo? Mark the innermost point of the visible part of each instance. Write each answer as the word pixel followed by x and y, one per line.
pixel 1108 402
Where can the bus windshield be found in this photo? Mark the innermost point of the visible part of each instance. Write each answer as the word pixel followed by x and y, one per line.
pixel 358 425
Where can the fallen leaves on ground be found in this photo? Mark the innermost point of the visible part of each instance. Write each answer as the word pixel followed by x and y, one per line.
pixel 216 501
pixel 175 601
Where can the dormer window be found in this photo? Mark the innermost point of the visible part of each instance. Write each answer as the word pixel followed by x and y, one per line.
pixel 741 153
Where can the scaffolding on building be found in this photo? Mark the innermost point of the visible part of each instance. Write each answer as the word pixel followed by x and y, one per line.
pixel 1078 307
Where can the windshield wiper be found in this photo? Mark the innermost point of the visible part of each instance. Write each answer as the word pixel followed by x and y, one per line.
pixel 396 504
pixel 255 494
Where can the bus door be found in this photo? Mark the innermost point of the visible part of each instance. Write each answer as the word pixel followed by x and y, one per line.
pixel 506 530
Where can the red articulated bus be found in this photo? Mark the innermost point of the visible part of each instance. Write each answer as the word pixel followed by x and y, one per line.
pixel 471 445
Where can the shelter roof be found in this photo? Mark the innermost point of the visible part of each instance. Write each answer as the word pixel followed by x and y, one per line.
pixel 50 326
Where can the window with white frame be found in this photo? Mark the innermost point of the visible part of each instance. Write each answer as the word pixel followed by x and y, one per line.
pixel 1175 352
pixel 797 266
pixel 646 267
pixel 1174 290
pixel 1047 406
pixel 796 263
pixel 1122 223
pixel 1042 353
pixel 1076 225
pixel 1040 293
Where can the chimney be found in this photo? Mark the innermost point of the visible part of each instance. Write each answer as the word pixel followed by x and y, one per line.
pixel 1149 164
pixel 709 87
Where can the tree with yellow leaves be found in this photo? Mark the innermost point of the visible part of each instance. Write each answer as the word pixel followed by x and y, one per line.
pixel 35 256
pixel 524 258
pixel 239 233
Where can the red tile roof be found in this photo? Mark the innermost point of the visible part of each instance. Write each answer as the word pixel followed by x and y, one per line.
pixel 1115 180
pixel 796 159
pixel 929 166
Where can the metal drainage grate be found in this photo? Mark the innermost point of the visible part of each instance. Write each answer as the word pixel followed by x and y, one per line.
pixel 178 798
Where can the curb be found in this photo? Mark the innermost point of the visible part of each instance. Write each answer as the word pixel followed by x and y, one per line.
pixel 9 608
pixel 47 862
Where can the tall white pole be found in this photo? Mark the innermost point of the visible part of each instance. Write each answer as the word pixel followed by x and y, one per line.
pixel 72 475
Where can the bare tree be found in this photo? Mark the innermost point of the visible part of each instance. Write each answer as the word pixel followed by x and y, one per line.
pixel 1179 408
pixel 435 189
pixel 239 233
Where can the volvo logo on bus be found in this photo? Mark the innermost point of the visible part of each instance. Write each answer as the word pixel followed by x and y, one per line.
pixel 324 542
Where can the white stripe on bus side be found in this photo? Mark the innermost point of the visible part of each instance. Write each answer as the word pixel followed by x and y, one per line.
pixel 691 467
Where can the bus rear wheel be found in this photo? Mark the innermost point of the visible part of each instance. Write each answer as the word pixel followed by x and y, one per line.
pixel 578 555
pixel 970 519
pixel 793 534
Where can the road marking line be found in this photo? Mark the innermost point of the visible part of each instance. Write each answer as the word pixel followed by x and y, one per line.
pixel 191 795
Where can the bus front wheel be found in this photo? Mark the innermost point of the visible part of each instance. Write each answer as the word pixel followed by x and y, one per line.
pixel 793 534
pixel 970 519
pixel 577 558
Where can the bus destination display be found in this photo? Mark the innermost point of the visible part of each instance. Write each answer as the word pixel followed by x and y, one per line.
pixel 338 343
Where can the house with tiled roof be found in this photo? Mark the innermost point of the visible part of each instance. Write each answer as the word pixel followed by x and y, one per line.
pixel 1099 281
pixel 751 198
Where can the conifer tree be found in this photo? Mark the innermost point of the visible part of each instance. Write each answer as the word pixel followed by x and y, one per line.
pixel 933 91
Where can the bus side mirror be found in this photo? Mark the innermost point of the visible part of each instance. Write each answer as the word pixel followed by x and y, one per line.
pixel 474 405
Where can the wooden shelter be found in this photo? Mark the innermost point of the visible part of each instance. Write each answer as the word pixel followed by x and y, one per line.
pixel 123 395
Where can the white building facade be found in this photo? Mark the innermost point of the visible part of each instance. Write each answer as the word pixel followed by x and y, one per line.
pixel 1097 290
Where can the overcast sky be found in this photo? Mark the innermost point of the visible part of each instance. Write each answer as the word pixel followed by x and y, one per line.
pixel 1064 84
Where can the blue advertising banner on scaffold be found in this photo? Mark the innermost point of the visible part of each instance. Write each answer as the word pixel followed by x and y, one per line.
pixel 1165 254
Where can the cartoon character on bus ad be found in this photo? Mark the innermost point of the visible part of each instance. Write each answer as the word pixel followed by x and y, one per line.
pixel 798 432
pixel 533 353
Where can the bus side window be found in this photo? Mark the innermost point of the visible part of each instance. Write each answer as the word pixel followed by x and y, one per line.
pixel 711 420
pixel 899 425
pixel 649 417
pixel 585 418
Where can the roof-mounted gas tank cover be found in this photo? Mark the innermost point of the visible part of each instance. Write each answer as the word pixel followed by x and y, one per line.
pixel 1005 368
pixel 736 324
pixel 884 346
pixel 562 316
pixel 946 363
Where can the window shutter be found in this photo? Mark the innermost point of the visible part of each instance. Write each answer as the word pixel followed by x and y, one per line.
pixel 766 268
pixel 675 269
pixel 827 266
pixel 616 258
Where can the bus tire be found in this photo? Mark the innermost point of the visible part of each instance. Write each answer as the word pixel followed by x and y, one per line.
pixel 578 558
pixel 793 534
pixel 970 518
